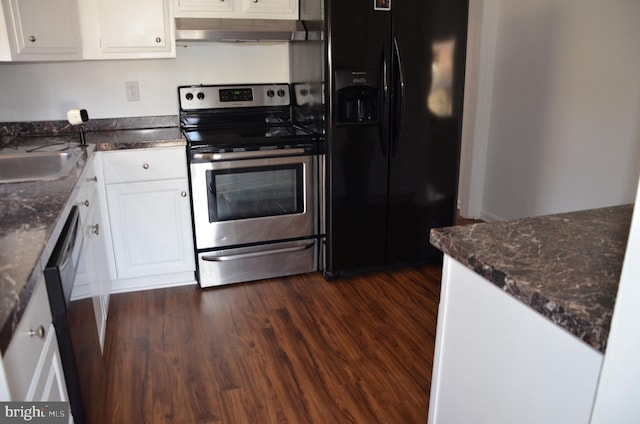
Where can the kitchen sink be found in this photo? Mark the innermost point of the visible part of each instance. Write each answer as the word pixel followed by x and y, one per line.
pixel 36 166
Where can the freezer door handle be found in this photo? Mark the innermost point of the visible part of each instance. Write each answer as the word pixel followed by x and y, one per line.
pixel 383 125
pixel 398 95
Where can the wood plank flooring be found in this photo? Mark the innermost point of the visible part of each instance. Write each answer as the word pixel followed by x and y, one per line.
pixel 297 350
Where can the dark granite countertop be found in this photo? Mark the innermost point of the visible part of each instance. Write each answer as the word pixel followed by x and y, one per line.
pixel 32 213
pixel 136 139
pixel 564 266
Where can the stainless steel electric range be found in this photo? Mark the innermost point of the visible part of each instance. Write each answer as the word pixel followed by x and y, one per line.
pixel 254 183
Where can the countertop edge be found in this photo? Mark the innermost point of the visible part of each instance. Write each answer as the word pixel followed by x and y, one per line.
pixel 458 243
pixel 592 335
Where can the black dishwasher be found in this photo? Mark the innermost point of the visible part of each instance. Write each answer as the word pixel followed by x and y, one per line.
pixel 75 326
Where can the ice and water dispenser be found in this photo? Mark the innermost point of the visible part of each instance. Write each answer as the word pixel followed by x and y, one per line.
pixel 357 97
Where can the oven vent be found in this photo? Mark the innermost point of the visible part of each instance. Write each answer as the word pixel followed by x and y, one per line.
pixel 212 29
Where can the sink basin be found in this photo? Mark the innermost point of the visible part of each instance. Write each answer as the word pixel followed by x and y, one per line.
pixel 36 166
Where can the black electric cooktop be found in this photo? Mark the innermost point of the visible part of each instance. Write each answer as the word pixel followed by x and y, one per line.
pixel 250 138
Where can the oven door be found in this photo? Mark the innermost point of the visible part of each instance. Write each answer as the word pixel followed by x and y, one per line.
pixel 242 198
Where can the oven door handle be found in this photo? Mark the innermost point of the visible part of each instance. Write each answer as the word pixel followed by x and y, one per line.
pixel 247 155
pixel 226 258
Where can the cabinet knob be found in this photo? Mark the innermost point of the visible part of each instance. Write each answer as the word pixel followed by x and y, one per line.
pixel 221 1
pixel 95 229
pixel 255 1
pixel 85 203
pixel 145 165
pixel 38 332
pixel 94 179
pixel 32 38
pixel 158 40
pixel 183 194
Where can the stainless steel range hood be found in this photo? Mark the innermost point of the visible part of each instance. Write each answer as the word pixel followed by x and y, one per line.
pixel 211 29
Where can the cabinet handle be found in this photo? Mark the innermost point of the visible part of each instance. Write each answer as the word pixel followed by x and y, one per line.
pixel 221 1
pixel 95 229
pixel 145 165
pixel 158 40
pixel 183 194
pixel 39 332
pixel 255 1
pixel 85 203
pixel 94 179
pixel 32 38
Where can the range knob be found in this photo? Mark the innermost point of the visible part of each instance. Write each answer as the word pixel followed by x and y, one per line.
pixel 270 93
pixel 281 93
pixel 189 96
pixel 200 95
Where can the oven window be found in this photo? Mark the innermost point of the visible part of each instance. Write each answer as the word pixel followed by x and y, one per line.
pixel 242 193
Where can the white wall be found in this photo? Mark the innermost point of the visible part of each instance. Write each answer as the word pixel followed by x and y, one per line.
pixel 45 91
pixel 561 122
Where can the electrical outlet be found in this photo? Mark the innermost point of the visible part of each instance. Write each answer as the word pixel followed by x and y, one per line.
pixel 133 91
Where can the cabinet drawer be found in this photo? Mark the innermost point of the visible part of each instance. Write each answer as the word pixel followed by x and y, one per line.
pixel 144 165
pixel 21 357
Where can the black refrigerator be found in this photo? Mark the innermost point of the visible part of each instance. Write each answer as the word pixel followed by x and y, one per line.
pixel 393 84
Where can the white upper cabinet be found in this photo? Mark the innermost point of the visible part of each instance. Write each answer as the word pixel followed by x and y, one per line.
pixel 203 8
pixel 240 9
pixel 280 9
pixel 36 30
pixel 125 29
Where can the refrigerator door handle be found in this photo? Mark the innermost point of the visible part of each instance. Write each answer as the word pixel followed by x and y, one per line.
pixel 383 123
pixel 398 109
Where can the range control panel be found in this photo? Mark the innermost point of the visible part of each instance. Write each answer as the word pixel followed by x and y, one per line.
pixel 198 97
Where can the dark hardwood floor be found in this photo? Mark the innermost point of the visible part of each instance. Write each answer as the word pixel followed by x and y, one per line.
pixel 297 350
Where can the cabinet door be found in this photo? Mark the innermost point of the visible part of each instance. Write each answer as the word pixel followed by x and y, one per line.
pixel 151 227
pixel 274 9
pixel 203 8
pixel 96 258
pixel 43 30
pixel 32 360
pixel 244 9
pixel 92 277
pixel 121 29
pixel 48 382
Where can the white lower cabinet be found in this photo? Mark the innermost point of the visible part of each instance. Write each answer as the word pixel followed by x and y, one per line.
pixel 95 255
pixel 499 361
pixel 49 385
pixel 93 277
pixel 148 231
pixel 32 360
pixel 147 196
